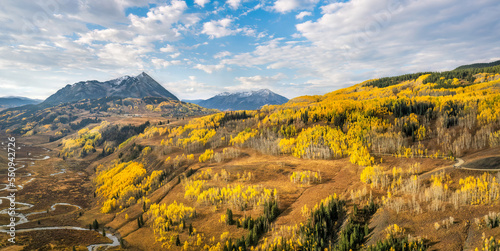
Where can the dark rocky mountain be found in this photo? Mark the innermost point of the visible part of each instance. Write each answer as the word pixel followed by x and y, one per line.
pixel 9 102
pixel 251 100
pixel 139 86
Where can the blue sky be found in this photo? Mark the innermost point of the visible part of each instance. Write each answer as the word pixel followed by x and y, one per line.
pixel 199 48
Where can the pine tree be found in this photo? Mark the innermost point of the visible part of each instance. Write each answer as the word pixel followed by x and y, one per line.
pixel 274 211
pixel 229 217
pixel 177 241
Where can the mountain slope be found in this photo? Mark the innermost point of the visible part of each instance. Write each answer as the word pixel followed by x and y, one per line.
pixel 139 86
pixel 243 100
pixel 478 65
pixel 386 136
pixel 374 159
pixel 8 102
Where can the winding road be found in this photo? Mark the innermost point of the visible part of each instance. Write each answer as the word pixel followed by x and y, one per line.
pixel 23 218
pixel 110 236
pixel 458 164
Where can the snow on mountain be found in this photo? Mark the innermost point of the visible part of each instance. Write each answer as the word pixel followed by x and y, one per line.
pixel 247 100
pixel 139 86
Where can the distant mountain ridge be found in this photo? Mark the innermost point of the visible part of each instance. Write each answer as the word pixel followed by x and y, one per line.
pixel 139 86
pixel 13 101
pixel 250 100
pixel 193 101
pixel 478 65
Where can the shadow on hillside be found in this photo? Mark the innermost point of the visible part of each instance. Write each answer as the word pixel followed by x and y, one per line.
pixel 486 163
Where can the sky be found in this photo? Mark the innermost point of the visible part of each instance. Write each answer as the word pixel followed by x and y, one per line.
pixel 199 48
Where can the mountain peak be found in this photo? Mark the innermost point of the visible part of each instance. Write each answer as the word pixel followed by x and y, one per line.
pixel 264 91
pixel 143 74
pixel 247 93
pixel 245 100
pixel 139 86
pixel 224 94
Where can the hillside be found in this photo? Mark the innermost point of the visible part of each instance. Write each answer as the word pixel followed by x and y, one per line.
pixel 9 102
pixel 478 65
pixel 251 100
pixel 388 163
pixel 139 86
pixel 61 120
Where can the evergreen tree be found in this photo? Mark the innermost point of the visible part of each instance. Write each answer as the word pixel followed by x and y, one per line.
pixel 229 217
pixel 177 241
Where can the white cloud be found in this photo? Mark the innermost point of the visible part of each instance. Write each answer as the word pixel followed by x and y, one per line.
pixel 234 4
pixel 250 32
pixel 175 55
pixel 284 6
pixel 209 68
pixel 201 2
pixel 258 79
pixel 46 40
pixel 192 89
pixel 364 39
pixel 195 46
pixel 330 8
pixel 222 54
pixel 108 35
pixel 134 41
pixel 122 55
pixel 162 63
pixel 303 14
pixel 219 28
pixel 168 49
pixel 104 13
pixel 224 27
pixel 256 7
pixel 350 42
pixel 257 82
pixel 159 19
